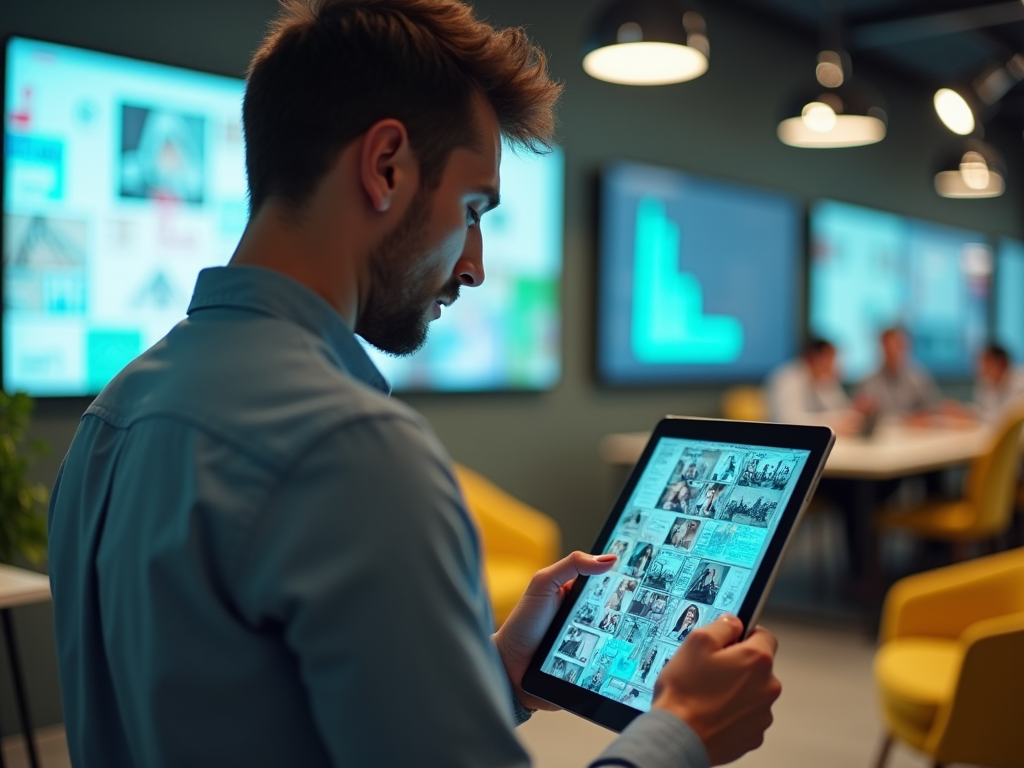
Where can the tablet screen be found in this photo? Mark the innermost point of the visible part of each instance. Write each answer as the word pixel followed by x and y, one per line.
pixel 689 541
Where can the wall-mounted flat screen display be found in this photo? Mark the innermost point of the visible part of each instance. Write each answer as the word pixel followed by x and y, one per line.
pixel 698 278
pixel 871 270
pixel 506 333
pixel 122 179
pixel 1009 297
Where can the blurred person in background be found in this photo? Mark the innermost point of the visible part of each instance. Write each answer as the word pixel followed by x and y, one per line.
pixel 900 387
pixel 808 391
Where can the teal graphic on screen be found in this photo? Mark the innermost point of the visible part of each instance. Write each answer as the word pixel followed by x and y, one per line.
pixel 871 270
pixel 688 542
pixel 698 278
pixel 669 324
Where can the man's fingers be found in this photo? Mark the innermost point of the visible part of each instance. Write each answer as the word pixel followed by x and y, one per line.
pixel 723 631
pixel 764 639
pixel 551 579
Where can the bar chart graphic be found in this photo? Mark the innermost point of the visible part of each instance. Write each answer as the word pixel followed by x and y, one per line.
pixel 668 324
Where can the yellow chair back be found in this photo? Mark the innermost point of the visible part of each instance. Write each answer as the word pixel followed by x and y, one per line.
pixel 745 403
pixel 992 479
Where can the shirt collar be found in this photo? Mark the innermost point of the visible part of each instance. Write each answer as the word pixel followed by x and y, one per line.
pixel 271 293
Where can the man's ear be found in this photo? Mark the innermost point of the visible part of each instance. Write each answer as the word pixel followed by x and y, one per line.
pixel 387 165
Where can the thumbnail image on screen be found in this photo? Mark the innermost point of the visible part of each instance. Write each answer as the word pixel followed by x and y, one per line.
pixel 696 278
pixel 1008 296
pixel 506 333
pixel 122 179
pixel 871 270
pixel 689 540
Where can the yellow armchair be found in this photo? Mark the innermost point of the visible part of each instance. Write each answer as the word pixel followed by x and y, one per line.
pixel 950 667
pixel 986 510
pixel 516 539
pixel 744 403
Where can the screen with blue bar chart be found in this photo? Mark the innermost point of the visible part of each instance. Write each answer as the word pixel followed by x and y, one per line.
pixel 871 270
pixel 699 278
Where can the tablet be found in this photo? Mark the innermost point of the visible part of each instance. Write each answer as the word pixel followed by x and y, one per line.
pixel 699 530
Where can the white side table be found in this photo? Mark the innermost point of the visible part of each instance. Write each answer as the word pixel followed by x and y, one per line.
pixel 20 587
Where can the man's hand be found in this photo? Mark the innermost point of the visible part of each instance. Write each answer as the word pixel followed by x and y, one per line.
pixel 518 638
pixel 722 688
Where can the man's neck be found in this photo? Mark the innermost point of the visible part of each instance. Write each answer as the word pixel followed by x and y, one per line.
pixel 295 247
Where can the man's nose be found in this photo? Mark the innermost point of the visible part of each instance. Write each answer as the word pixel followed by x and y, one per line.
pixel 470 267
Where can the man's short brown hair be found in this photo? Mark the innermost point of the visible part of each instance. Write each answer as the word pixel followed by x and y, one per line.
pixel 330 69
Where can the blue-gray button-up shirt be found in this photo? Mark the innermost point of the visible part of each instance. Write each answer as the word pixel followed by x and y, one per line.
pixel 259 559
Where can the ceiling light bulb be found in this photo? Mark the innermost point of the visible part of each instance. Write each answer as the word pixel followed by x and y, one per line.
pixel 630 32
pixel 819 117
pixel 954 111
pixel 974 170
pixel 830 69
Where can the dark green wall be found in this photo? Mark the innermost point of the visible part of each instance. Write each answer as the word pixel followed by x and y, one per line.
pixel 543 447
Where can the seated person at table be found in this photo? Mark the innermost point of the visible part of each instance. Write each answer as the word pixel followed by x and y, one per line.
pixel 899 387
pixel 998 385
pixel 807 391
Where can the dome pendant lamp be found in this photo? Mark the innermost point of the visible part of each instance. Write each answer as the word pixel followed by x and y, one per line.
pixel 976 169
pixel 647 42
pixel 837 112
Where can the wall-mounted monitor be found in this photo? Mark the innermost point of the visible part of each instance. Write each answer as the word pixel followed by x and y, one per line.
pixel 1009 298
pixel 506 333
pixel 698 279
pixel 871 270
pixel 122 179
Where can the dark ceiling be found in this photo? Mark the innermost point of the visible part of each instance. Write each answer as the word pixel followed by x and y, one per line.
pixel 935 42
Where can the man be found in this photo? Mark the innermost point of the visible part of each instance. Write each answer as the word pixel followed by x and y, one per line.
pixel 898 388
pixel 998 386
pixel 808 391
pixel 244 518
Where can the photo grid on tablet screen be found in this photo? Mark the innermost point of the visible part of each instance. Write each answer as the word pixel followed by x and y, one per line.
pixel 688 543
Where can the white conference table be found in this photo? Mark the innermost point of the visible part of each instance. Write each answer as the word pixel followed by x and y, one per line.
pixel 893 451
pixel 20 587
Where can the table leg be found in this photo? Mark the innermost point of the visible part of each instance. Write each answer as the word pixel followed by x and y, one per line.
pixel 19 688
pixel 2 765
pixel 867 498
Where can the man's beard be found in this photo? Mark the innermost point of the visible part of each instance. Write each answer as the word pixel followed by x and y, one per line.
pixel 395 318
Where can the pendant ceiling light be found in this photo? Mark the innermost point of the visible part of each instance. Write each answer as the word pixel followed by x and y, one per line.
pixel 963 107
pixel 975 169
pixel 647 42
pixel 836 112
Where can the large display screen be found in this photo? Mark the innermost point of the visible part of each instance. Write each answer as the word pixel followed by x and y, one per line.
pixel 506 333
pixel 688 542
pixel 872 270
pixel 1009 296
pixel 122 179
pixel 698 278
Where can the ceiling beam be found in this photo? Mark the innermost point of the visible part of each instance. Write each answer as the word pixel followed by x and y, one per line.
pixel 879 34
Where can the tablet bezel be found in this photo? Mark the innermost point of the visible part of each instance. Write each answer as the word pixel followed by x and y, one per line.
pixel 818 440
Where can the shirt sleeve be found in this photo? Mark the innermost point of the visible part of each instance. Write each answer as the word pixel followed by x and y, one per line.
pixel 368 565
pixel 656 739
